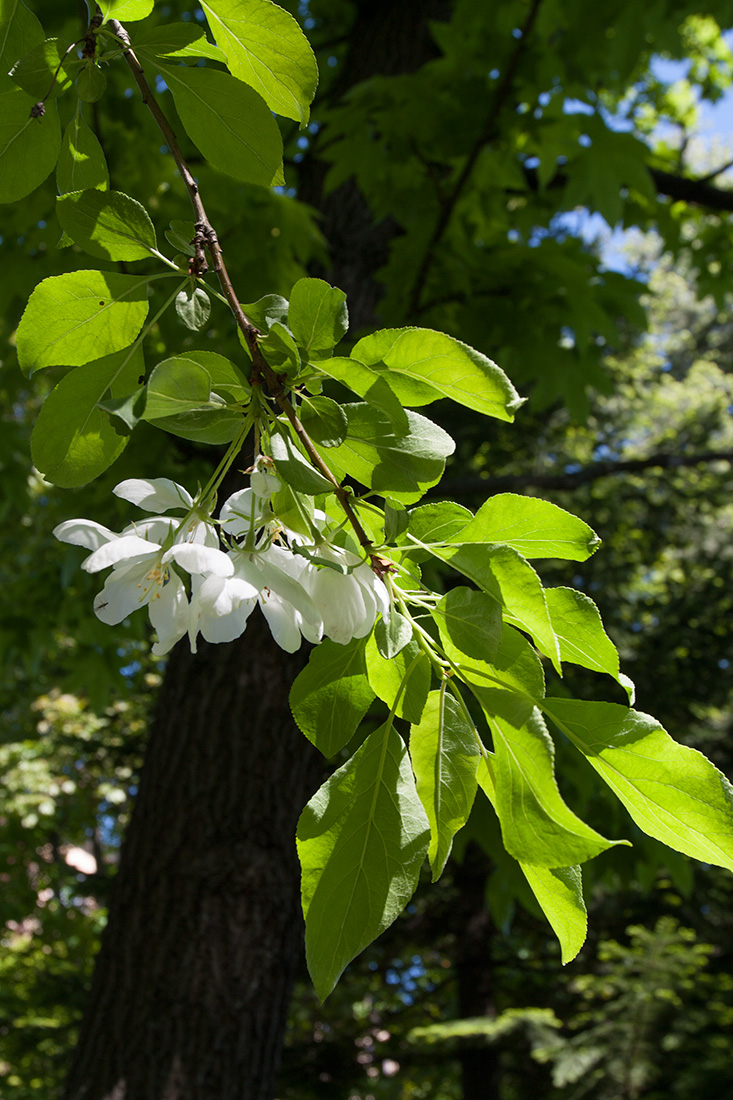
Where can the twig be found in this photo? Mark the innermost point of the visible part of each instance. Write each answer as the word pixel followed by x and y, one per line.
pixel 487 133
pixel 206 237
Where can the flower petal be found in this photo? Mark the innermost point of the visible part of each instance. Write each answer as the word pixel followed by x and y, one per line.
pixel 199 531
pixel 220 608
pixel 264 484
pixel 126 547
pixel 196 558
pixel 84 532
pixel 282 619
pixel 156 495
pixel 375 586
pixel 168 610
pixel 122 594
pixel 348 607
pixel 155 529
pixel 287 586
pixel 240 511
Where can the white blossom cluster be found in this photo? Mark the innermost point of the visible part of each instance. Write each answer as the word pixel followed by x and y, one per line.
pixel 300 599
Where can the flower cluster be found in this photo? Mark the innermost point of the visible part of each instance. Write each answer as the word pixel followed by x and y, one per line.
pixel 305 589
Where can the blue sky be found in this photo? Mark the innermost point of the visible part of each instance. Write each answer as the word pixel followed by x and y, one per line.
pixel 715 128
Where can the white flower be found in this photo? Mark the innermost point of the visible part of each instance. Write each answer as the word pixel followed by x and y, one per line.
pixel 142 571
pixel 348 602
pixel 264 483
pixel 270 577
pixel 158 495
pixel 299 598
pixel 220 607
pixel 243 512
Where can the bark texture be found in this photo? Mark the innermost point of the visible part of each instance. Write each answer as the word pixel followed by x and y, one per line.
pixel 196 966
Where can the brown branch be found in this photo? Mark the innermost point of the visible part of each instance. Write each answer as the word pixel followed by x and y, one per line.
pixel 695 191
pixel 206 236
pixel 487 486
pixel 487 134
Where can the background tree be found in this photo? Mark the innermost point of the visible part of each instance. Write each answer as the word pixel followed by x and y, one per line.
pixel 461 209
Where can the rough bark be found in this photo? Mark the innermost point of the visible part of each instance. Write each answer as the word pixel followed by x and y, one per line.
pixel 196 966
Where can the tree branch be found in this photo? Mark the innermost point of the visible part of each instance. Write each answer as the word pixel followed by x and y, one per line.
pixel 206 238
pixel 475 486
pixel 698 192
pixel 487 135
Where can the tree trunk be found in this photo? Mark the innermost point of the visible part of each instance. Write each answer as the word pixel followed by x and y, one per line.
pixel 474 970
pixel 194 975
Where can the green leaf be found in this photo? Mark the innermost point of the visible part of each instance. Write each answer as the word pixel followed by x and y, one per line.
pixel 29 147
pixel 129 409
pixel 266 310
pixel 193 306
pixel 229 123
pixel 266 48
pixel 396 520
pixel 392 637
pixel 472 621
pixel 34 72
pixel 508 578
pixel 227 379
pixel 580 634
pixel 401 466
pixel 81 162
pixel 324 420
pixel 294 468
pixel 20 32
pixel 280 348
pixel 206 419
pixel 331 695
pixel 125 9
pixel 180 235
pixel 369 384
pixel 672 792
pixel 361 841
pixel 445 755
pixel 176 385
pixel 511 684
pixel 71 318
pixel 73 441
pixel 534 528
pixel 296 511
pixel 207 425
pixel 107 224
pixel 558 890
pixel 220 374
pixel 423 365
pixel 318 316
pixel 536 825
pixel 91 83
pixel 403 682
pixel 438 522
pixel 178 40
